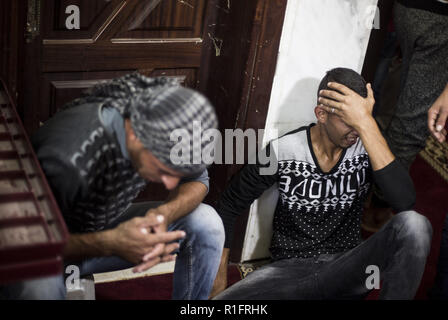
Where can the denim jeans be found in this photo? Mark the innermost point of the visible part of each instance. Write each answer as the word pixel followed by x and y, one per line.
pixel 399 250
pixel 195 269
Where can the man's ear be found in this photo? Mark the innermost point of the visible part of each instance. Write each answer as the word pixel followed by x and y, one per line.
pixel 321 114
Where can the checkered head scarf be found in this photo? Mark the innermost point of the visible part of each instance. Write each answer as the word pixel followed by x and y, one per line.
pixel 163 115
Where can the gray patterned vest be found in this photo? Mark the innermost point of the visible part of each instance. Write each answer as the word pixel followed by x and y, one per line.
pixel 101 183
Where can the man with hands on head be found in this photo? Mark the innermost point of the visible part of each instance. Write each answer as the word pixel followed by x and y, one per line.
pixel 98 154
pixel 324 174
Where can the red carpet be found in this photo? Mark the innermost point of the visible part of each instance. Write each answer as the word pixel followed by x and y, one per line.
pixel 432 194
pixel 148 288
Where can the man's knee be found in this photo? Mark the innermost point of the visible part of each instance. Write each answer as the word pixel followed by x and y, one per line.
pixel 416 228
pixel 205 223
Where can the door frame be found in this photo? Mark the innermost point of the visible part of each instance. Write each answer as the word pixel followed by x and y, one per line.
pixel 241 90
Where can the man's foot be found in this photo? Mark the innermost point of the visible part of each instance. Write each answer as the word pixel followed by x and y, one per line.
pixel 374 218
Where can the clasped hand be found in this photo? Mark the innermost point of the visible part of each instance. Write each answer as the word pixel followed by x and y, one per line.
pixel 145 241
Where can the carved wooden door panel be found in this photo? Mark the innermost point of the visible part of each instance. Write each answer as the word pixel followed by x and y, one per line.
pixel 113 38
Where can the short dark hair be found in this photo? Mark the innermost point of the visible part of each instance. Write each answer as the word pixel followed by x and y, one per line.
pixel 347 77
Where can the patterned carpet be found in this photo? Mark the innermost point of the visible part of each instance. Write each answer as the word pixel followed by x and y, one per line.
pixel 436 155
pixel 246 268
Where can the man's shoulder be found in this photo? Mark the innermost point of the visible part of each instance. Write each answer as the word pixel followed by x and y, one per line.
pixel 67 128
pixel 71 134
pixel 293 135
pixel 298 131
pixel 293 145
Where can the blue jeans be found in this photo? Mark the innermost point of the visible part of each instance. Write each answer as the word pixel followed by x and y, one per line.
pixel 399 250
pixel 195 269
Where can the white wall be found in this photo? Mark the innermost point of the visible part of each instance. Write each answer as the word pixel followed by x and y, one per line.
pixel 317 35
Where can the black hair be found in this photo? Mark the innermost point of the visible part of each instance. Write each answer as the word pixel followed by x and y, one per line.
pixel 347 77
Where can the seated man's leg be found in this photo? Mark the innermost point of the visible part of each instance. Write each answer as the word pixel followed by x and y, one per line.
pixel 399 250
pixel 280 280
pixel 199 253
pixel 46 288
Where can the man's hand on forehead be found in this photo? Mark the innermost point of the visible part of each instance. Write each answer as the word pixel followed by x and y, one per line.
pixel 347 104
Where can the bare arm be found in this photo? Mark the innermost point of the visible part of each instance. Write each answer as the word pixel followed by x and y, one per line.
pixel 133 240
pixel 376 146
pixel 130 241
pixel 182 200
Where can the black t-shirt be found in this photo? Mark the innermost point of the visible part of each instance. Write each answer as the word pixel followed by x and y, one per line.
pixel 434 6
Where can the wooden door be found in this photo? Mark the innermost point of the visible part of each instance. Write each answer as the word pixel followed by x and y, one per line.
pixel 12 22
pixel 115 37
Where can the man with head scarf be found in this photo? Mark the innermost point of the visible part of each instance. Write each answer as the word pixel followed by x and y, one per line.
pixel 99 153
